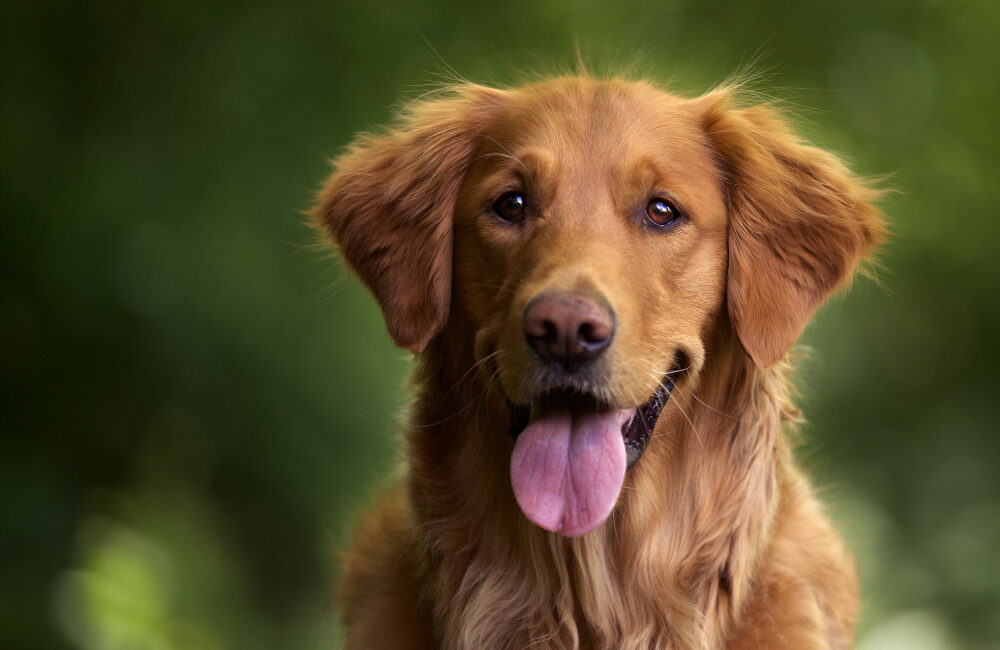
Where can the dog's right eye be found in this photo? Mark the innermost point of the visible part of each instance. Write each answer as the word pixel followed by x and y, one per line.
pixel 510 206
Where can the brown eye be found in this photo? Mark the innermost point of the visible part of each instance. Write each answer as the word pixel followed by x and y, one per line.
pixel 510 206
pixel 661 212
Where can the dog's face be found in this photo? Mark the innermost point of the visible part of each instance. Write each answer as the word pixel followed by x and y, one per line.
pixel 590 252
pixel 590 242
pixel 591 234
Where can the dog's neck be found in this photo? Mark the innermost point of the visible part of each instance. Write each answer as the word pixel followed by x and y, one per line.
pixel 673 564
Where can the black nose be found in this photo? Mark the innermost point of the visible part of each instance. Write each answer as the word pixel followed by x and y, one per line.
pixel 568 329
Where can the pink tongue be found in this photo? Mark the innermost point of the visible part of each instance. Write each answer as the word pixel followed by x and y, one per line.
pixel 567 470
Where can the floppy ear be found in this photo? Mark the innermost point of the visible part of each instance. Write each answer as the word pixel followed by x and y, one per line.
pixel 388 206
pixel 799 223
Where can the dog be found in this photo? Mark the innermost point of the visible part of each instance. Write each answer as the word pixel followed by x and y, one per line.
pixel 601 283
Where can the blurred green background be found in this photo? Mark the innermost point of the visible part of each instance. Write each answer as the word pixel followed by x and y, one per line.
pixel 194 406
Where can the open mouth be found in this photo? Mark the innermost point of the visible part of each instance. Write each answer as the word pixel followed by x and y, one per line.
pixel 571 453
pixel 636 431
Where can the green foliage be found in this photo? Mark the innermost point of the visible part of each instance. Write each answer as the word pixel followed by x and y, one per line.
pixel 194 406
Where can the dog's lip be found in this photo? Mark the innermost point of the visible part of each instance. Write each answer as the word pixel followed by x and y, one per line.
pixel 636 431
pixel 639 429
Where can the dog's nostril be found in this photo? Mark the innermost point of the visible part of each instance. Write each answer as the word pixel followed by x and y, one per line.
pixel 551 332
pixel 540 328
pixel 593 333
pixel 567 328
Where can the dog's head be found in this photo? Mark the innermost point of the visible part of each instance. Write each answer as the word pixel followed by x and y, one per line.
pixel 590 234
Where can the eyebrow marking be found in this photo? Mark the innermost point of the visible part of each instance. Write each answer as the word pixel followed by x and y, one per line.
pixel 635 179
pixel 643 178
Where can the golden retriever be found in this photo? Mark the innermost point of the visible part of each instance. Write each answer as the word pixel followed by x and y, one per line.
pixel 600 281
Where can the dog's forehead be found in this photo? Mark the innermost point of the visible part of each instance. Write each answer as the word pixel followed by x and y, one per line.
pixel 583 106
pixel 605 123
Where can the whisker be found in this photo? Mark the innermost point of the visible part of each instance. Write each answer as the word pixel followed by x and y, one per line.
pixel 712 408
pixel 501 155
pixel 506 150
pixel 675 398
pixel 697 435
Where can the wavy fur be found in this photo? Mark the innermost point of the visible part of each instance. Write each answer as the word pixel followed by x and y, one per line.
pixel 717 540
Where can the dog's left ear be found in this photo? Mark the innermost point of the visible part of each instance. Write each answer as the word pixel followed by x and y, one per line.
pixel 799 223
pixel 389 205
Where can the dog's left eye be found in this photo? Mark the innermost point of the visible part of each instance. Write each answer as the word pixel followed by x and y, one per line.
pixel 510 206
pixel 661 212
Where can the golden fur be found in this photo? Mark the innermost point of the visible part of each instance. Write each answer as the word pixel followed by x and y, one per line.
pixel 717 540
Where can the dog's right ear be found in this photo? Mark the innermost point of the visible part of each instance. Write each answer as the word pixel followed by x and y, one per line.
pixel 389 204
